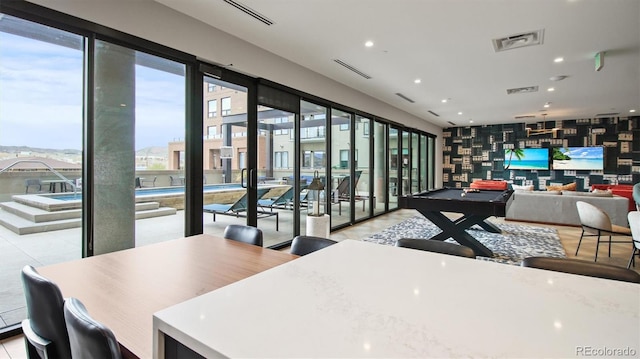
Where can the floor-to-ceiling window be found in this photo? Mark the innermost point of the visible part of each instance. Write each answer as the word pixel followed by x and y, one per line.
pixel 415 158
pixel 380 160
pixel 363 160
pixel 423 163
pixel 394 164
pixel 139 111
pixel 341 182
pixel 313 153
pixel 41 143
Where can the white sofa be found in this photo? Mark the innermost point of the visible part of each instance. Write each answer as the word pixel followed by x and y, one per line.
pixel 559 207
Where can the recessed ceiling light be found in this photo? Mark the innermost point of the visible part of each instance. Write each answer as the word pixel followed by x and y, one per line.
pixel 546 105
pixel 551 89
pixel 444 100
pixel 558 59
pixel 558 78
pixel 460 113
pixel 417 81
pixel 470 121
pixel 368 43
pixel 632 110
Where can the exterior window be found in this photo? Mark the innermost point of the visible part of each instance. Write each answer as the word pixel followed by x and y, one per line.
pixel 211 87
pixel 281 131
pixel 212 108
pixel 282 159
pixel 319 159
pixel 242 159
pixel 365 129
pixel 344 127
pixel 306 159
pixel 344 158
pixel 212 131
pixel 226 106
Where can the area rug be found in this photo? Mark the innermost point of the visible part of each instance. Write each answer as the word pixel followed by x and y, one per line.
pixel 511 246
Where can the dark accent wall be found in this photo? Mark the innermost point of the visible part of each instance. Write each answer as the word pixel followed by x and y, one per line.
pixel 477 152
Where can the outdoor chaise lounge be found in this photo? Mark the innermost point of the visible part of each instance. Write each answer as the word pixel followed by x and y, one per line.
pixel 284 200
pixel 344 193
pixel 239 208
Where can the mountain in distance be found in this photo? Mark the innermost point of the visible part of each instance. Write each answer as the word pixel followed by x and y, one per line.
pixel 152 151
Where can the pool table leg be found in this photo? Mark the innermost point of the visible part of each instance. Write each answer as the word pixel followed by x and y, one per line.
pixel 467 221
pixel 456 231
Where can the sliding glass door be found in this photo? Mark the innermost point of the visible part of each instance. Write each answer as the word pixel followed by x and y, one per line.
pixel 341 183
pixel 138 175
pixel 362 195
pixel 225 155
pixel 41 153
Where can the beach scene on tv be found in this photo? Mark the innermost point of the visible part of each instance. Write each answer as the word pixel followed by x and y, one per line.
pixel 526 159
pixel 578 158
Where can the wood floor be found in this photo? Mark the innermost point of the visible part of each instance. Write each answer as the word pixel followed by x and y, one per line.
pixel 569 236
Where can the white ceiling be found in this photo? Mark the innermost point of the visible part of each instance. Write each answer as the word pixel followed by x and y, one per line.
pixel 448 45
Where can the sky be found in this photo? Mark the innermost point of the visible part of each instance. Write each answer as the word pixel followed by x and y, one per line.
pixel 41 98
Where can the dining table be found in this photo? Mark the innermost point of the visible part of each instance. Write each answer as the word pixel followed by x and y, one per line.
pixel 123 289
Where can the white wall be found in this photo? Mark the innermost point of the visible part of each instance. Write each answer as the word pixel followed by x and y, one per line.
pixel 158 23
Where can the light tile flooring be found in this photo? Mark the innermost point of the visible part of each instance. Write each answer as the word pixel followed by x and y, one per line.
pixel 569 236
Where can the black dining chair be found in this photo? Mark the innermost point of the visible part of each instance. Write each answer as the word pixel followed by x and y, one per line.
pixel 303 245
pixel 245 234
pixel 44 329
pixel 580 267
pixel 436 247
pixel 89 338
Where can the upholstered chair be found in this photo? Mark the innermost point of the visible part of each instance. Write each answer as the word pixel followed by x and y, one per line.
pixel 44 329
pixel 303 245
pixel 89 338
pixel 596 223
pixel 580 267
pixel 436 247
pixel 245 234
pixel 636 195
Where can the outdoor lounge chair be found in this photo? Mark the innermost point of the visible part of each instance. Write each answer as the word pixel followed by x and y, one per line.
pixel 344 193
pixel 284 200
pixel 239 208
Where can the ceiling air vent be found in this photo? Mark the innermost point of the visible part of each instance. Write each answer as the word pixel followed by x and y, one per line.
pixel 346 65
pixel 249 11
pixel 610 114
pixel 519 40
pixel 523 117
pixel 451 123
pixel 433 113
pixel 404 97
pixel 527 89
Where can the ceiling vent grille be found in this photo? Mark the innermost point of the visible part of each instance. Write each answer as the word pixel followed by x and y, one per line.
pixel 249 11
pixel 524 117
pixel 528 89
pixel 451 123
pixel 404 97
pixel 433 113
pixel 610 114
pixel 346 65
pixel 519 40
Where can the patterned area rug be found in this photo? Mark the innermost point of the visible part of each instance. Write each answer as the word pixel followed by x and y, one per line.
pixel 511 246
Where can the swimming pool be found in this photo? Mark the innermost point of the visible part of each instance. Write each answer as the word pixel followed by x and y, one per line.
pixel 165 196
pixel 157 191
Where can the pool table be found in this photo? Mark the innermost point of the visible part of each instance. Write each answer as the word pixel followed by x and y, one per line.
pixel 475 207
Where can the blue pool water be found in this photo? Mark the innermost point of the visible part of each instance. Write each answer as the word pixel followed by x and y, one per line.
pixel 156 191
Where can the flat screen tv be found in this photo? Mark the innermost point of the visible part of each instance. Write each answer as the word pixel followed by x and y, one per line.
pixel 526 159
pixel 578 158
